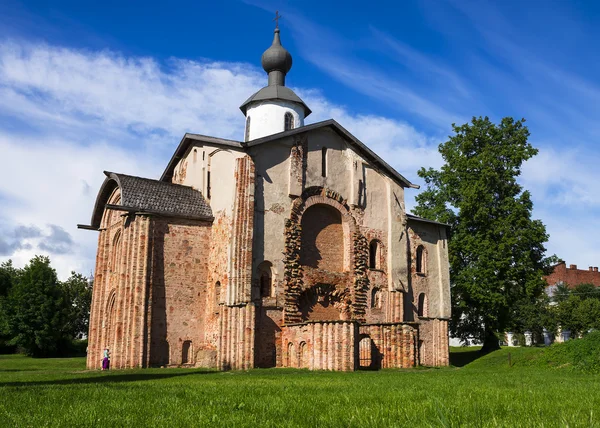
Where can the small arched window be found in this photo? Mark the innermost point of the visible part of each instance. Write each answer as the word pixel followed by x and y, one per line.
pixel 265 279
pixel 422 309
pixel 116 252
pixel 375 298
pixel 374 255
pixel 421 261
pixel 291 356
pixel 288 121
pixel 247 136
pixel 217 293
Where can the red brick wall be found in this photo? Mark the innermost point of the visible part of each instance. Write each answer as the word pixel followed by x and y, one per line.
pixel 394 344
pixel 180 289
pixel 322 238
pixel 433 342
pixel 573 276
pixel 320 345
pixel 237 315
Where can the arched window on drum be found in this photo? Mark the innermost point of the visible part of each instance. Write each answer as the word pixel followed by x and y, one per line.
pixel 288 121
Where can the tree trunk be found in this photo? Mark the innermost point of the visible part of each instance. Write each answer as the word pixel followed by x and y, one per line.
pixel 490 342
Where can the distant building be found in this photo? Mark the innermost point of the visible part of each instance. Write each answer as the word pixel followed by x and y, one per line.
pixel 571 276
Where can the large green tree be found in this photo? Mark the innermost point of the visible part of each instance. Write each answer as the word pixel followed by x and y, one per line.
pixel 78 293
pixel 8 277
pixel 496 250
pixel 39 311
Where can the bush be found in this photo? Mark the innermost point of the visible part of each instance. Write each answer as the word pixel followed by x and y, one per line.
pixel 581 354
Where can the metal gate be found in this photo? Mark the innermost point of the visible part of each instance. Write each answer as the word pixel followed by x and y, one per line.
pixel 365 353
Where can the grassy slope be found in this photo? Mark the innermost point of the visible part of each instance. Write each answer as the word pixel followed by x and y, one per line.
pixel 486 392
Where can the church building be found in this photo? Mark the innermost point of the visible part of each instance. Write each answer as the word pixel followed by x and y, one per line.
pixel 291 248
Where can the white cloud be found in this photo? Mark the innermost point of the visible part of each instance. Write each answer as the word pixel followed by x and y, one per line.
pixel 67 115
pixel 86 112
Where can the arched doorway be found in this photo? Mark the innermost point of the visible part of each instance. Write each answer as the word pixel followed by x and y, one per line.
pixel 365 353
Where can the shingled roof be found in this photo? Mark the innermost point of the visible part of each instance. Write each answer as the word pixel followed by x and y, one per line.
pixel 151 196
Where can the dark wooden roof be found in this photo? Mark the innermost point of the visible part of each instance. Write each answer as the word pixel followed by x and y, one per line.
pixel 152 196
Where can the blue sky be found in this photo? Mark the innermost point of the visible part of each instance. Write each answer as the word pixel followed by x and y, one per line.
pixel 90 86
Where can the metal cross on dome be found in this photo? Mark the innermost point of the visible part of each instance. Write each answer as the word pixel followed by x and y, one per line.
pixel 277 18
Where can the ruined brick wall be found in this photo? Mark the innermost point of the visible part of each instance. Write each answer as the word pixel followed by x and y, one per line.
pixel 237 314
pixel 573 276
pixel 180 292
pixel 433 342
pixel 240 259
pixel 236 337
pixel 300 277
pixel 117 315
pixel 320 345
pixel 394 344
pixel 150 289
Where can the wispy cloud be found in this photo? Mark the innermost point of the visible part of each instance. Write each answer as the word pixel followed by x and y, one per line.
pixel 333 55
pixel 91 111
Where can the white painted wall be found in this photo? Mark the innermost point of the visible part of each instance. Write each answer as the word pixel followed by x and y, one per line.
pixel 267 117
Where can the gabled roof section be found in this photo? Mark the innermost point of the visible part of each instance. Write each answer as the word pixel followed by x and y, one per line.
pixel 424 220
pixel 275 92
pixel 189 139
pixel 184 145
pixel 152 196
pixel 348 137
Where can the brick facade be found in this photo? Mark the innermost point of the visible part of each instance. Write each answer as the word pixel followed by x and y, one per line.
pixel 178 291
pixel 572 276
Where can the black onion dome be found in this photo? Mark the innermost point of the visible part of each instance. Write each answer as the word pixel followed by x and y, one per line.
pixel 276 58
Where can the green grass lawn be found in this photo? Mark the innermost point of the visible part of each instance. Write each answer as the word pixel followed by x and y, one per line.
pixel 485 391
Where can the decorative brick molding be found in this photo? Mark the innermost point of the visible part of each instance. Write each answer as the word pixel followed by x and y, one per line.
pixel 361 280
pixel 298 156
pixel 334 345
pixel 239 289
pixel 324 345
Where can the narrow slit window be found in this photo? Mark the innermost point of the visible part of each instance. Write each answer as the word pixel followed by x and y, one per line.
pixel 421 261
pixel 247 136
pixel 324 162
pixel 208 185
pixel 374 255
pixel 288 121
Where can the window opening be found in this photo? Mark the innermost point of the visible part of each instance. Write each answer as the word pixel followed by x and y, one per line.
pixel 374 255
pixel 265 284
pixel 247 137
pixel 324 162
pixel 186 352
pixel 288 121
pixel 420 259
pixel 422 305
pixel 208 185
pixel 217 292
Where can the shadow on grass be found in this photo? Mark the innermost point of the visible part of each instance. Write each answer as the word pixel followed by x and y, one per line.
pixel 108 378
pixel 461 359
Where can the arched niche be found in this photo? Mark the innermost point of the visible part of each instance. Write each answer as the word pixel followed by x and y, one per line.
pixel 265 276
pixel 322 244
